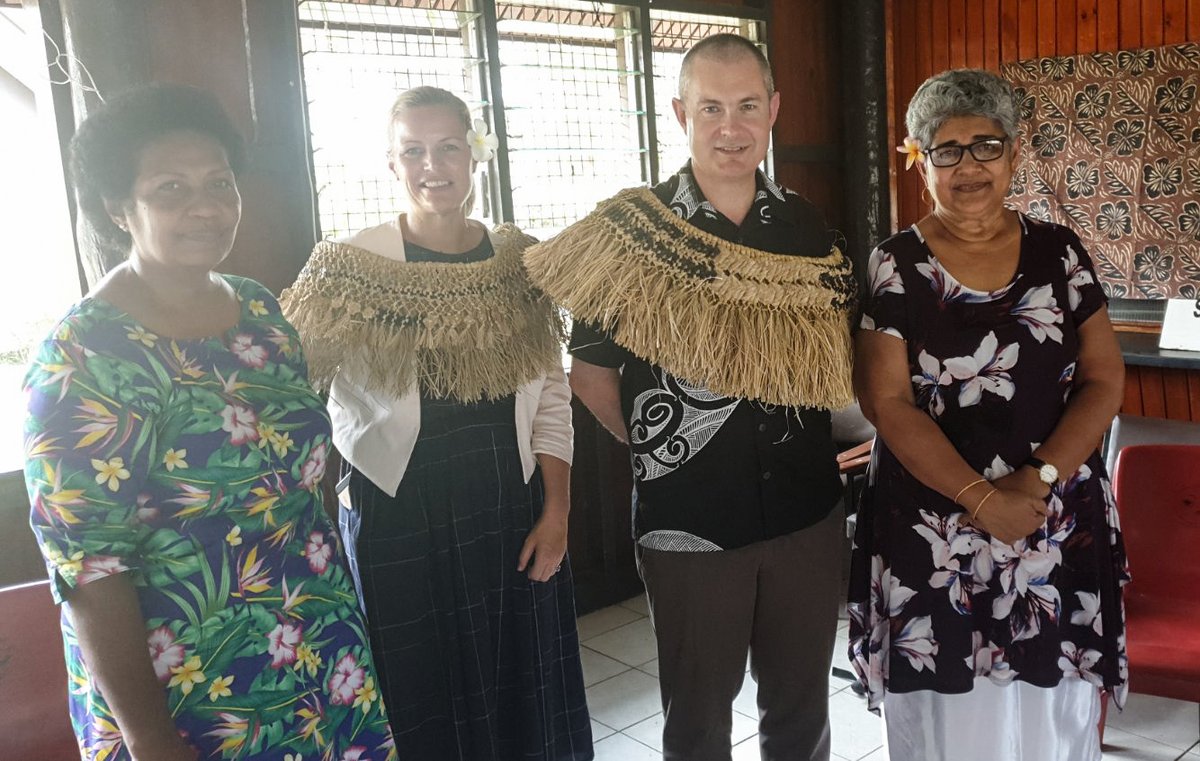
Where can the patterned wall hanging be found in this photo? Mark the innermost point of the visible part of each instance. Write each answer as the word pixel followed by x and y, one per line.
pixel 1111 147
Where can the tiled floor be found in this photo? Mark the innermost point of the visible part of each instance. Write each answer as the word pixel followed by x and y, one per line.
pixel 621 673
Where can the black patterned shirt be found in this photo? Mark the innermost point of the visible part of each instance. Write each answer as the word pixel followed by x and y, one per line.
pixel 715 472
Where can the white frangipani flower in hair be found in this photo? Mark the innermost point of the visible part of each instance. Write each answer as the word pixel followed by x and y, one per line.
pixel 483 143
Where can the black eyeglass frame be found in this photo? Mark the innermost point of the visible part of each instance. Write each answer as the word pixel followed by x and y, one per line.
pixel 963 149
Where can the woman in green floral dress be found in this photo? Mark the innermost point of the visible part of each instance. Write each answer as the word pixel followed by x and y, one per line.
pixel 174 454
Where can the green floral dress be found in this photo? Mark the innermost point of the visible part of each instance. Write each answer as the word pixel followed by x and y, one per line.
pixel 194 465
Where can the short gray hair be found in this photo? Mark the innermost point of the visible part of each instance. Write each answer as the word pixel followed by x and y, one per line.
pixel 725 48
pixel 960 92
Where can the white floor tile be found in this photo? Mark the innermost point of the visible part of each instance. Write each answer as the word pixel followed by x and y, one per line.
pixel 1170 722
pixel 632 644
pixel 1122 746
pixel 597 667
pixel 746 702
pixel 856 731
pixel 637 605
pixel 600 731
pixel 841 657
pixel 648 731
pixel 618 747
pixel 625 699
pixel 747 750
pixel 650 668
pixel 603 620
pixel 744 728
pixel 620 698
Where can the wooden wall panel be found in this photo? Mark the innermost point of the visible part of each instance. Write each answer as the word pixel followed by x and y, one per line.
pixel 1164 392
pixel 1132 405
pixel 1174 22
pixel 928 36
pixel 1085 25
pixel 1154 400
pixel 1152 23
pixel 956 14
pixel 1129 21
pixel 1064 27
pixel 1175 394
pixel 808 132
pixel 991 34
pixel 1107 23
pixel 1193 384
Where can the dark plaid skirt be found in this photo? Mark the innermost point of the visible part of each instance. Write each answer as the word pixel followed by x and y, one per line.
pixel 476 662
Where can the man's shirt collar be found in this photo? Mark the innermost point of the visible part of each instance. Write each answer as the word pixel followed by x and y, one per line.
pixel 682 194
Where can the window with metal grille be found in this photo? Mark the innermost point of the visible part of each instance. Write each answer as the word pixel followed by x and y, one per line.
pixel 572 114
pixel 564 83
pixel 357 58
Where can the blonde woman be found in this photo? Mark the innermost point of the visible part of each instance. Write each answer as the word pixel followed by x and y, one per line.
pixel 451 410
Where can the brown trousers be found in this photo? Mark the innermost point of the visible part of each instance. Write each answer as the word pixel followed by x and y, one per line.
pixel 777 599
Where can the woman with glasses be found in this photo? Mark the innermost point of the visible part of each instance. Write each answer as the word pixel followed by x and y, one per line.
pixel 985 601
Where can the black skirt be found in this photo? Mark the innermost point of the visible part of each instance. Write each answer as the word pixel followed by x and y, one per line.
pixel 476 662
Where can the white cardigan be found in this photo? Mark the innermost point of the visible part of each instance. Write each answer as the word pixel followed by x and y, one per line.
pixel 376 432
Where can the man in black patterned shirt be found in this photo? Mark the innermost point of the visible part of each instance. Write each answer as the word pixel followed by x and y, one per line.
pixel 711 334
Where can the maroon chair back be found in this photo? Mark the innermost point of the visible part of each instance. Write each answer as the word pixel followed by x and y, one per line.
pixel 34 720
pixel 1157 488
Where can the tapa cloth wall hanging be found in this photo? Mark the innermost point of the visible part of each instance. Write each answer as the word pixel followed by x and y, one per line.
pixel 1111 148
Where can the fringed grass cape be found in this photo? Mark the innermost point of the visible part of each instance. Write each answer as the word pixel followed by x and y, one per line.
pixel 741 322
pixel 468 331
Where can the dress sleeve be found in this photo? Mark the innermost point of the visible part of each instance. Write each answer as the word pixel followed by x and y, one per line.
pixel 1084 293
pixel 884 308
pixel 595 346
pixel 86 459
pixel 265 308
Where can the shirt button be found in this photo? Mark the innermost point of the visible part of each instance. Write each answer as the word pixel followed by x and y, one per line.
pixel 762 427
pixel 767 476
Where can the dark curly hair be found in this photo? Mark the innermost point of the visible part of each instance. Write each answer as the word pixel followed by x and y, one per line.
pixel 105 150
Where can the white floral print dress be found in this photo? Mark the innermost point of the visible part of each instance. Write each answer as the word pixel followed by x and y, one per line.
pixel 934 602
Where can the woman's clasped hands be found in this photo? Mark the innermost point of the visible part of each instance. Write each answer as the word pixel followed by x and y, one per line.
pixel 1009 508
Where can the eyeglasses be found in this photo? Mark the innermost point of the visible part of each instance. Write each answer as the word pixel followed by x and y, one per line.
pixel 988 149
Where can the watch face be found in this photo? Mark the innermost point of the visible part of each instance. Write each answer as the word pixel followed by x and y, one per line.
pixel 1048 474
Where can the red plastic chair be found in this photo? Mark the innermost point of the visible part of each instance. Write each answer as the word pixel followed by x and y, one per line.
pixel 34 720
pixel 1157 488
